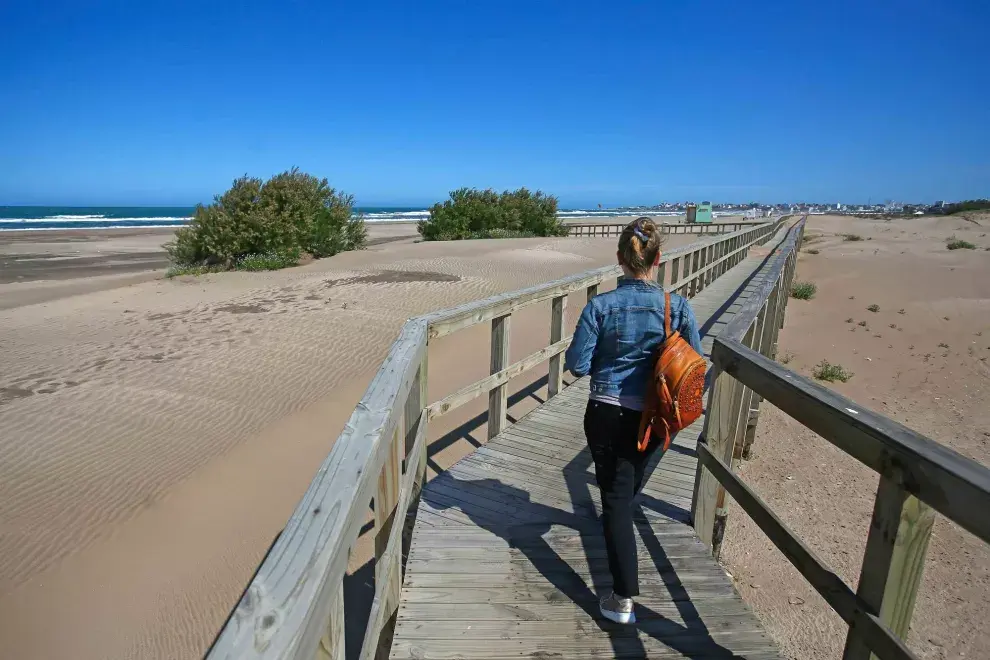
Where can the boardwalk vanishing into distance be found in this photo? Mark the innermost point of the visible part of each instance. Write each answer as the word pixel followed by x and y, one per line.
pixel 506 557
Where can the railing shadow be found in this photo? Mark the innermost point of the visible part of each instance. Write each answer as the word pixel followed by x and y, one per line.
pixel 509 512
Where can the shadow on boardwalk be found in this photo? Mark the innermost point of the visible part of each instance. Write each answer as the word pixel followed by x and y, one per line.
pixel 524 524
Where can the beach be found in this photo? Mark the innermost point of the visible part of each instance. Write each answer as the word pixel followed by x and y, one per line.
pixel 920 359
pixel 158 433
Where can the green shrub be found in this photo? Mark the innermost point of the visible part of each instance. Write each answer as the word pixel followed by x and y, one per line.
pixel 804 290
pixel 852 237
pixel 873 308
pixel 829 372
pixel 291 213
pixel 472 213
pixel 957 244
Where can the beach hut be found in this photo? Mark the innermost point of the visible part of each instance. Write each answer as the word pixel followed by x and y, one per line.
pixel 700 213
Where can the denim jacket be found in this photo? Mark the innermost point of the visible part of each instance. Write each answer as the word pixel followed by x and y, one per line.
pixel 618 335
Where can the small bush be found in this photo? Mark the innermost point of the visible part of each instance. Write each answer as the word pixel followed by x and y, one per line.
pixel 862 324
pixel 471 213
pixel 829 372
pixel 901 311
pixel 804 290
pixel 958 244
pixel 849 320
pixel 873 308
pixel 291 213
pixel 852 237
pixel 942 344
pixel 786 358
pixel 812 251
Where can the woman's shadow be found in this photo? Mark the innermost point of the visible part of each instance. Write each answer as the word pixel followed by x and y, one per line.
pixel 537 530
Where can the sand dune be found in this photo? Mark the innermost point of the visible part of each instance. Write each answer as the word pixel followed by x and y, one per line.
pixel 922 359
pixel 156 436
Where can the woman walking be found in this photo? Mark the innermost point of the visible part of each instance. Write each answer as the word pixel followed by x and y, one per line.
pixel 616 341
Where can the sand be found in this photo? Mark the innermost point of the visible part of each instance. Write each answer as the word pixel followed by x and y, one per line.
pixel 156 434
pixel 922 359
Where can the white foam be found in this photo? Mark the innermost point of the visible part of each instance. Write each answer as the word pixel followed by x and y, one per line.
pixel 92 218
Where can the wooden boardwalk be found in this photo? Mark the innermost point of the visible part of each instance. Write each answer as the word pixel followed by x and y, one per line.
pixel 507 557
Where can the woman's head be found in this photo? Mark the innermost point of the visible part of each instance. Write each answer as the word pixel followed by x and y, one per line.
pixel 639 246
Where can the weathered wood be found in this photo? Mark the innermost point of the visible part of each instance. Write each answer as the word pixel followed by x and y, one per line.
pixel 893 562
pixel 726 433
pixel 755 343
pixel 719 429
pixel 592 292
pixel 497 397
pixel 956 486
pixel 558 307
pixel 332 643
pixel 767 347
pixel 490 383
pixel 831 587
pixel 388 571
pixel 389 579
pixel 416 422
pixel 450 320
pixel 285 610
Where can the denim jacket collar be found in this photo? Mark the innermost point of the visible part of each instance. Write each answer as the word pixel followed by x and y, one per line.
pixel 635 281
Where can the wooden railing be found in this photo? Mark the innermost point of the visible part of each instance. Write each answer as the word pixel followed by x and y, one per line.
pixel 917 476
pixel 293 607
pixel 615 228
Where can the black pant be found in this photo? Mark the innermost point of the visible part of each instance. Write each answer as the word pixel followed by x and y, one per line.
pixel 619 468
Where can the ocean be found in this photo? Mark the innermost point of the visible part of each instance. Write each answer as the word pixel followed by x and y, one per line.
pixel 21 218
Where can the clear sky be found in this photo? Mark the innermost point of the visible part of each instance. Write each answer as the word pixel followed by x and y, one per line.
pixel 147 102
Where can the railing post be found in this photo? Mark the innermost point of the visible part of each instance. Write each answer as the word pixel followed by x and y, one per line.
pixel 751 400
pixel 592 291
pixel 768 347
pixel 692 286
pixel 497 398
pixel 556 377
pixel 720 427
pixel 702 262
pixel 893 561
pixel 710 258
pixel 414 414
pixel 386 515
pixel 661 272
pixel 675 268
pixel 708 510
pixel 332 643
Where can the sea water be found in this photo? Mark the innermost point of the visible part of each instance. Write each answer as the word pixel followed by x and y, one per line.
pixel 14 218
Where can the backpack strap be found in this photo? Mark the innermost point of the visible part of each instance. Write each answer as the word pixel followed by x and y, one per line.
pixel 666 313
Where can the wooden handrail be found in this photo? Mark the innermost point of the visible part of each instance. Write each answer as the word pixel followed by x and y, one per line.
pixel 604 229
pixel 916 475
pixel 294 607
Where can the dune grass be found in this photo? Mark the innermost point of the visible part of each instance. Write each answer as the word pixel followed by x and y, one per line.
pixel 804 290
pixel 954 243
pixel 830 373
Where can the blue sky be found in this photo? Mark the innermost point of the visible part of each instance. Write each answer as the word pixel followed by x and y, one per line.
pixel 597 102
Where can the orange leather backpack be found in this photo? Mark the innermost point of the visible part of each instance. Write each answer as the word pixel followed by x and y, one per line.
pixel 674 393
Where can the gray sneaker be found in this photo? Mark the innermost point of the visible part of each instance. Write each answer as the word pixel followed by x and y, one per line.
pixel 617 609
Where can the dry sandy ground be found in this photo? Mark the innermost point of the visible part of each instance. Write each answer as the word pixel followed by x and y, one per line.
pixel 156 434
pixel 922 360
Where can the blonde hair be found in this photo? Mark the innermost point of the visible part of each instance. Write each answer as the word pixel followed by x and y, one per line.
pixel 639 245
